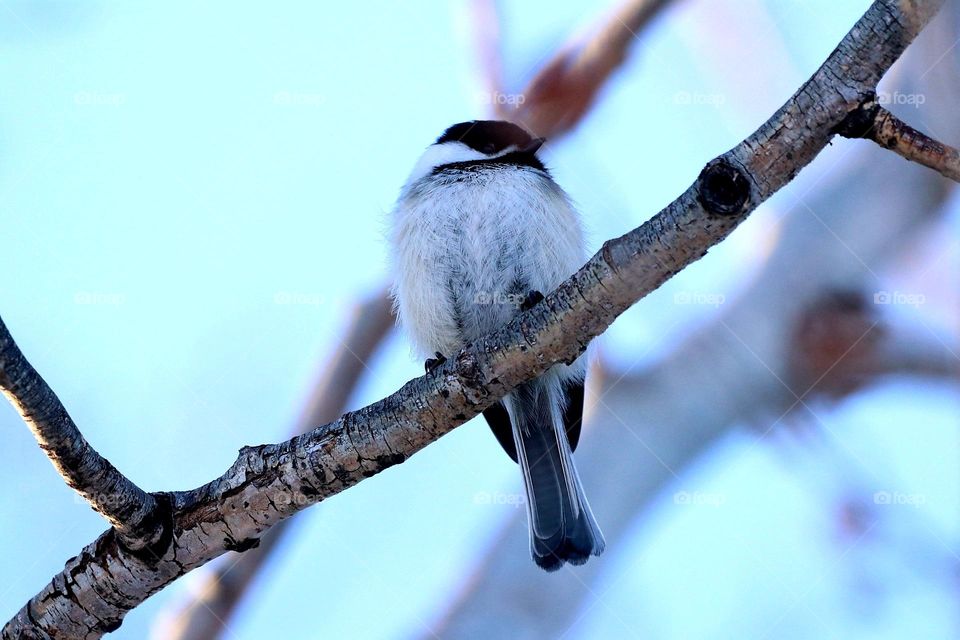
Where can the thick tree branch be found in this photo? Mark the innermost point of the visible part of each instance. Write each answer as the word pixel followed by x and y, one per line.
pixel 873 122
pixel 139 519
pixel 268 483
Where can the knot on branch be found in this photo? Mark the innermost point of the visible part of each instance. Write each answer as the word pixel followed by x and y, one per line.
pixel 471 377
pixel 239 546
pixel 723 189
pixel 161 517
pixel 109 626
pixel 861 121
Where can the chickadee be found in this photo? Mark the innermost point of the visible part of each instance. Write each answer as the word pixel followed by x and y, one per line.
pixel 479 231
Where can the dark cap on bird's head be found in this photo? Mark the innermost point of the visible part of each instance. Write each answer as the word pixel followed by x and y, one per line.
pixel 490 137
pixel 479 145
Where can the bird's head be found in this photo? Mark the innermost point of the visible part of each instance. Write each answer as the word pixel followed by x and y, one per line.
pixel 477 141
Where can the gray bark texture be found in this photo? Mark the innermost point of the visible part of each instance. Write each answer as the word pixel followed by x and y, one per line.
pixel 269 483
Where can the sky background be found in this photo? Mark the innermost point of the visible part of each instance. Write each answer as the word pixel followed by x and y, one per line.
pixel 193 194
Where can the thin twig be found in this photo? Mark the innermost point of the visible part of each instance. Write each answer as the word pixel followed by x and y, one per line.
pixel 872 122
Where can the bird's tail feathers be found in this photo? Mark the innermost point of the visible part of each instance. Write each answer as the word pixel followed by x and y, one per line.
pixel 562 527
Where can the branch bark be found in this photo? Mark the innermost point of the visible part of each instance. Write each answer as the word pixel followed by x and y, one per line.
pixel 268 483
pixel 139 519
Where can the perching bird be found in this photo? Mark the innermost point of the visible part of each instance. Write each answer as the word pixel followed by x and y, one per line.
pixel 479 232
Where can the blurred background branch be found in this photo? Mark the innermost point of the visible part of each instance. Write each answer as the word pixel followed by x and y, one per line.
pixel 564 89
pixel 206 610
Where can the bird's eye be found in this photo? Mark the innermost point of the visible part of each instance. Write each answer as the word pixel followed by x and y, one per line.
pixel 489 148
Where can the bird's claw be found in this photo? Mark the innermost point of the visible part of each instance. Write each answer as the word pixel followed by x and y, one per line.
pixel 533 299
pixel 431 364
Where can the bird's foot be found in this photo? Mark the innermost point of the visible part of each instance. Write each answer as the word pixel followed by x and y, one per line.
pixel 533 299
pixel 431 364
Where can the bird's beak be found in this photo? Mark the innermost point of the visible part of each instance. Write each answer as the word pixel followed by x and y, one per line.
pixel 533 145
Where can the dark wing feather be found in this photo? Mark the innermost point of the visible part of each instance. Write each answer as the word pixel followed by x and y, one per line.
pixel 499 421
pixel 573 415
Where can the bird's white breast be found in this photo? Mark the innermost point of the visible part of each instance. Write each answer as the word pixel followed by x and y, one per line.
pixel 468 246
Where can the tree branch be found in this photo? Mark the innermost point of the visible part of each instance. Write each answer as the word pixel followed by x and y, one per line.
pixel 268 483
pixel 873 122
pixel 204 616
pixel 139 519
pixel 735 372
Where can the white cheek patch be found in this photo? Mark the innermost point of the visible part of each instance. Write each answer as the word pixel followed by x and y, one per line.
pixel 440 154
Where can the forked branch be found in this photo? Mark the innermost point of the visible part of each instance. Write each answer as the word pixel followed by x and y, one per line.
pixel 139 518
